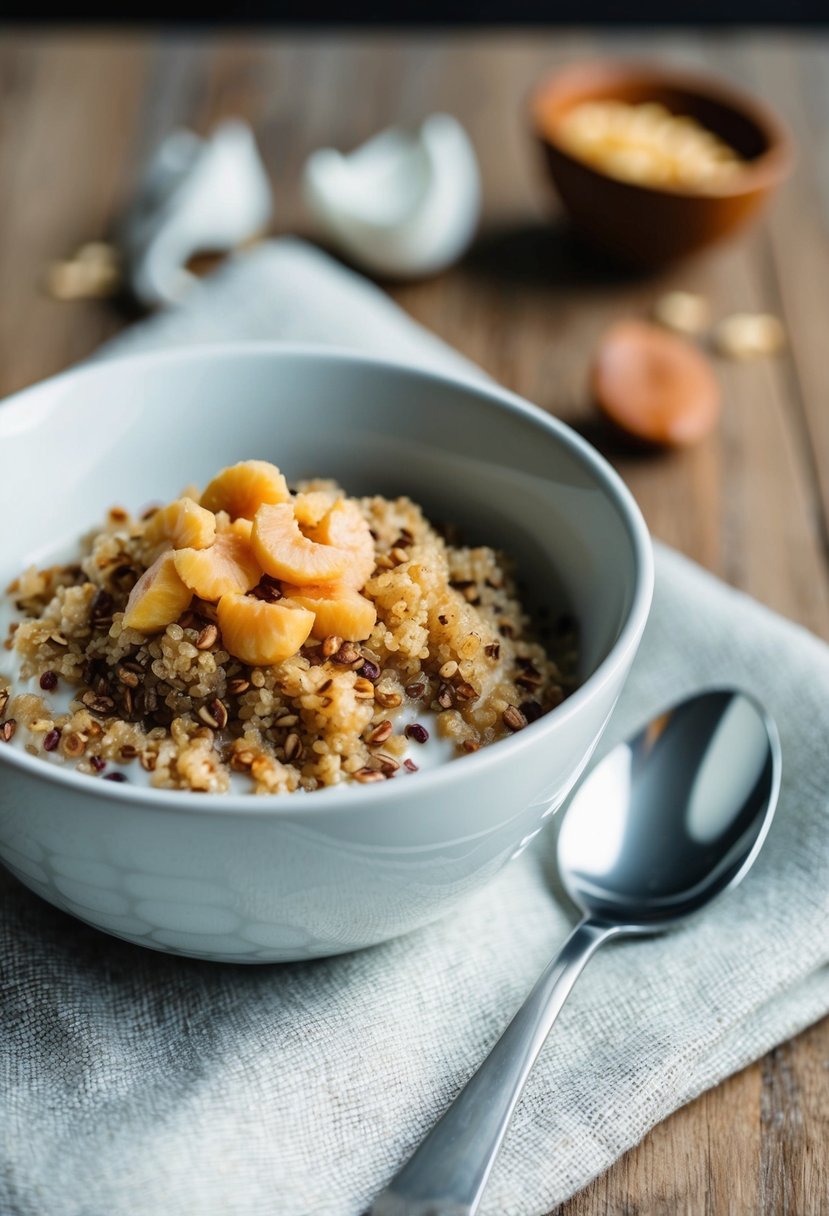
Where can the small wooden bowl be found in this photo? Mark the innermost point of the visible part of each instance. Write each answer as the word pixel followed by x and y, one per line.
pixel 653 225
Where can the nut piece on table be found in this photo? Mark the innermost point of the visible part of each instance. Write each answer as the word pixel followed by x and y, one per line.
pixel 92 272
pixel 747 335
pixel 683 312
pixel 653 385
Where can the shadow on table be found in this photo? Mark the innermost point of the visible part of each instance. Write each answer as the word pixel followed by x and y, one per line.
pixel 548 257
pixel 615 445
pixel 543 254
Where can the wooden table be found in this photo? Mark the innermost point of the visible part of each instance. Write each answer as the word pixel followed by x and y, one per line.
pixel 79 113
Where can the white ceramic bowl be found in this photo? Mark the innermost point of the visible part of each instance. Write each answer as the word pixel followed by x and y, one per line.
pixel 253 879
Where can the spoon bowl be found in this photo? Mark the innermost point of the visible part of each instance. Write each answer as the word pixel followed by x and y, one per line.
pixel 673 816
pixel 664 824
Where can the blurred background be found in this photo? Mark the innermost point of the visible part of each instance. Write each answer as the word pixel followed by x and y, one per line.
pixel 552 225
pixel 421 12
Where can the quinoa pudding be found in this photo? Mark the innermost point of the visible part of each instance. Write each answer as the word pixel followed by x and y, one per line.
pixel 287 639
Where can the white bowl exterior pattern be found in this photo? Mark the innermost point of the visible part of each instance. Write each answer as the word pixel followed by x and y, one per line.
pixel 254 879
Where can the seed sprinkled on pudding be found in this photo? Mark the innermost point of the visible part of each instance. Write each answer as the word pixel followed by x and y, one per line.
pixel 380 733
pixel 293 747
pixel 207 637
pixel 387 700
pixel 98 703
pixel 514 718
pixel 346 655
pixel 367 775
pixel 465 692
pixel 369 670
pixel 73 745
pixel 101 608
pixel 363 689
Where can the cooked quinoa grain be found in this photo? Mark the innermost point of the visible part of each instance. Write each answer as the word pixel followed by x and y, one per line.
pixel 450 637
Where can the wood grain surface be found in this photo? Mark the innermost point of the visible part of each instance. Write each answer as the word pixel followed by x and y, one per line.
pixel 79 112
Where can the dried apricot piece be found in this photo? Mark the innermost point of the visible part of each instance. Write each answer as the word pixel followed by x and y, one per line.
pixel 227 566
pixel 311 505
pixel 283 552
pixel 241 527
pixel 655 385
pixel 184 524
pixel 261 633
pixel 345 526
pixel 241 488
pixel 339 611
pixel 158 598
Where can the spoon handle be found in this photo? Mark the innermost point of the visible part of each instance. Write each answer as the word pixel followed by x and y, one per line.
pixel 447 1174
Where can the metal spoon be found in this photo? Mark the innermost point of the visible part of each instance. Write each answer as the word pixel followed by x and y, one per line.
pixel 666 822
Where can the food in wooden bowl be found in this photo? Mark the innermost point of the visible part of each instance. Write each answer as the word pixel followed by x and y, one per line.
pixel 653 163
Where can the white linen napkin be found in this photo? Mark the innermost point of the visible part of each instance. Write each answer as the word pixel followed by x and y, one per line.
pixel 135 1084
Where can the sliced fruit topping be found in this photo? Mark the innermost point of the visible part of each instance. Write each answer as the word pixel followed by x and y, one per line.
pixel 184 524
pixel 311 506
pixel 260 633
pixel 241 527
pixel 227 566
pixel 241 488
pixel 339 611
pixel 282 550
pixel 345 526
pixel 159 597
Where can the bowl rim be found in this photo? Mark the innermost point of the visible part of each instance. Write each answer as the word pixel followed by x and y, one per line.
pixel 348 796
pixel 765 171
